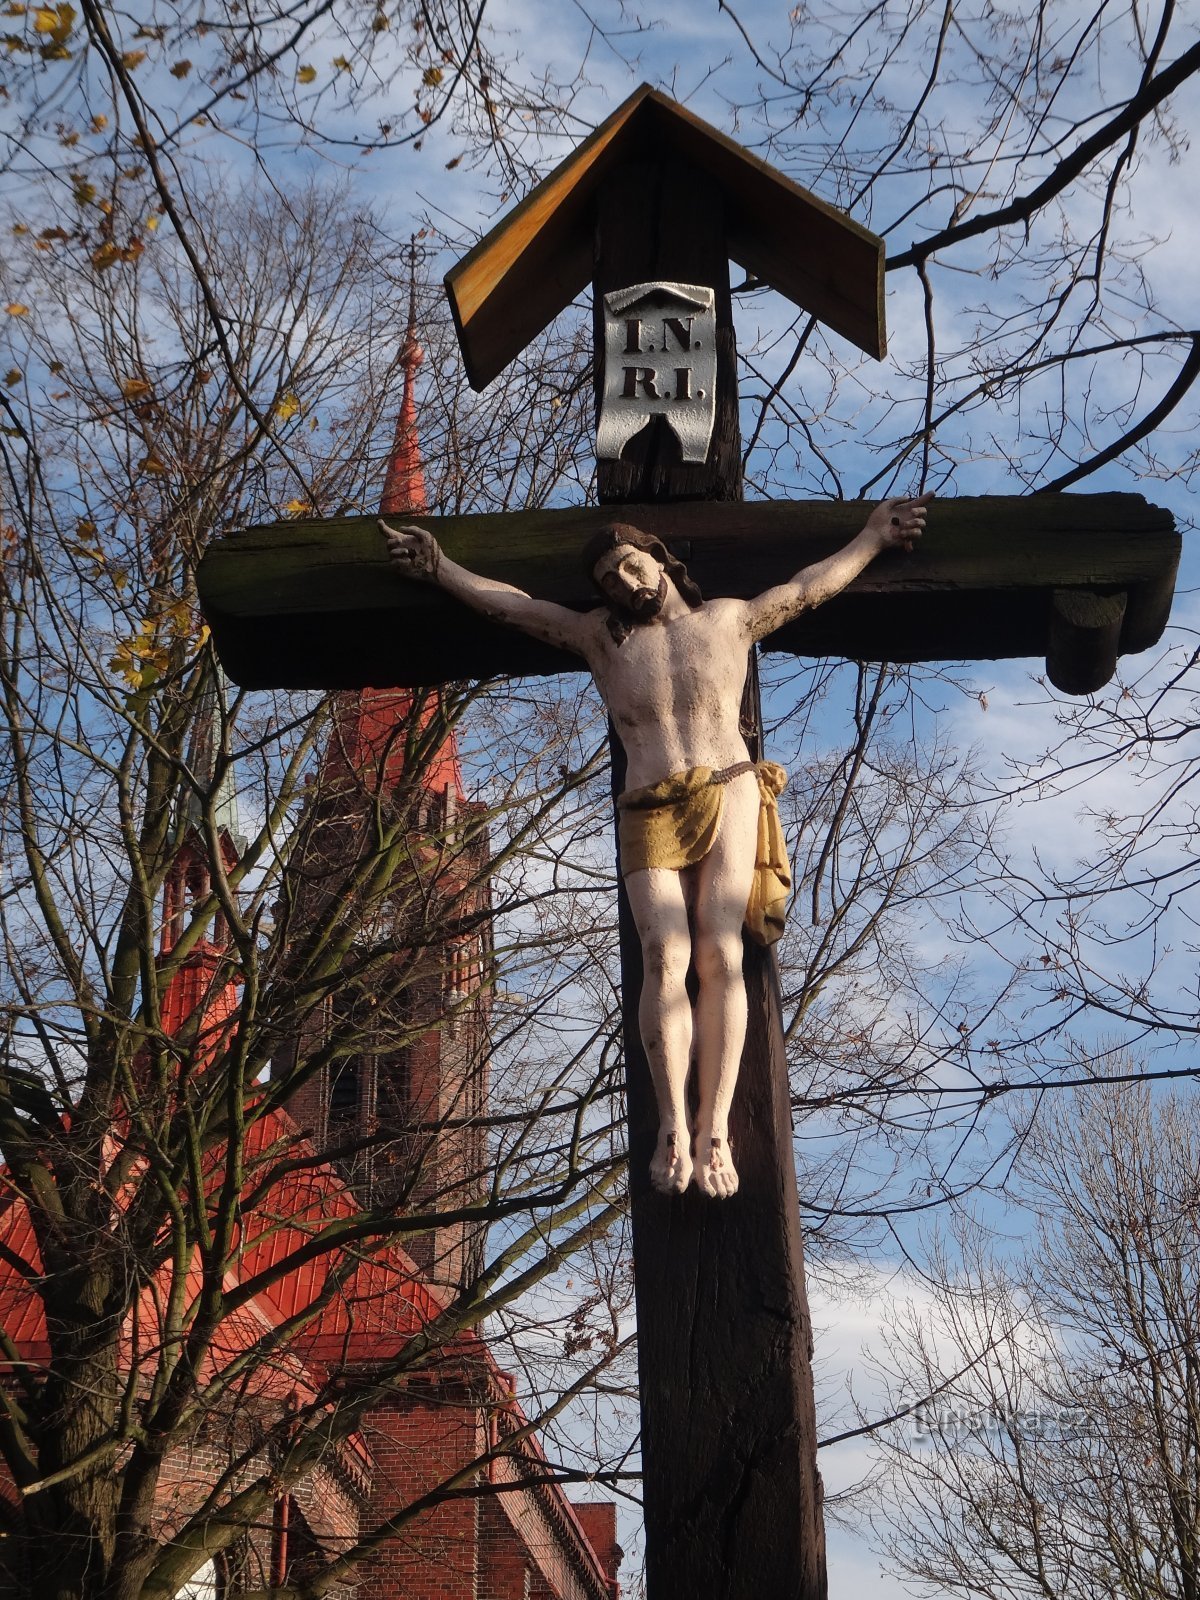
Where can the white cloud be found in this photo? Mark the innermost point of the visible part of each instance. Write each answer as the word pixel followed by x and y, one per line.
pixel 849 1327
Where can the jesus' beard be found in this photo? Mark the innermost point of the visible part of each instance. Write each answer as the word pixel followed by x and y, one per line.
pixel 644 604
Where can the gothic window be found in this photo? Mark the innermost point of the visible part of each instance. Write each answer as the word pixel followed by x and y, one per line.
pixel 344 1090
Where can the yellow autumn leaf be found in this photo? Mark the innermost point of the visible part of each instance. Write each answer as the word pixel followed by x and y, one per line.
pixel 431 77
pixel 341 63
pixel 139 672
pixel 90 553
pixel 181 69
pixel 140 659
pixel 13 11
pixel 16 309
pixel 135 388
pixel 83 191
pixel 99 122
pixel 20 227
pixel 306 75
pixel 151 224
pixel 55 22
pixel 15 43
pixel 287 407
pixel 179 617
pixel 131 60
pixel 153 465
pixel 297 508
pixel 106 256
pixel 12 377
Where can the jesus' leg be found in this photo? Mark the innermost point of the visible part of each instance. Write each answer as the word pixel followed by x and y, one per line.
pixel 665 1016
pixel 721 891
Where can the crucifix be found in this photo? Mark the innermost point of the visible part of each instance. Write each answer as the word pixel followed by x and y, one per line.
pixel 650 209
pixel 700 843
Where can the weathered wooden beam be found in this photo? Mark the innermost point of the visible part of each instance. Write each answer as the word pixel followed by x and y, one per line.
pixel 1085 636
pixel 314 603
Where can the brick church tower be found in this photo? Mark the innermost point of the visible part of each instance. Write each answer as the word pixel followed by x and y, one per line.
pixel 400 1113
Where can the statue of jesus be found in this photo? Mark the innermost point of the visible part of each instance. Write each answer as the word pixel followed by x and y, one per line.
pixel 701 847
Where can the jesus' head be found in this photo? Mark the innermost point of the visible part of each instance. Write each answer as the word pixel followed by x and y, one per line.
pixel 631 569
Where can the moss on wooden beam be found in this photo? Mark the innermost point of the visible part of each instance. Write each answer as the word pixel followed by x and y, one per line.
pixel 315 604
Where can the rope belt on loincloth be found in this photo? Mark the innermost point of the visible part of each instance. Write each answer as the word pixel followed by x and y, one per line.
pixel 673 824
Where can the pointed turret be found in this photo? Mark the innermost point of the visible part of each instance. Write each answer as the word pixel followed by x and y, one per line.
pixel 404 484
pixel 370 734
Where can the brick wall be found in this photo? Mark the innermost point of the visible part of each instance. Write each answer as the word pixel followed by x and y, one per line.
pixel 599 1519
pixel 418 1440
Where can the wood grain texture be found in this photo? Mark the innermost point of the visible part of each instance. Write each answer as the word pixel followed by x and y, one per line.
pixel 315 603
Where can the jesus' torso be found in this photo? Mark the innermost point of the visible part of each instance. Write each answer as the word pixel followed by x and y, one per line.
pixel 674 688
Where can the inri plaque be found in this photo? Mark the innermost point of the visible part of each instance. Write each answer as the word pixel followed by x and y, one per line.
pixel 660 357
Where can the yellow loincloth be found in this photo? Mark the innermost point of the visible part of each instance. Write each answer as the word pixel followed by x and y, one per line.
pixel 672 824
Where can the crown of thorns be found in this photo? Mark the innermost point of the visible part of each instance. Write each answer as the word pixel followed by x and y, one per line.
pixel 616 534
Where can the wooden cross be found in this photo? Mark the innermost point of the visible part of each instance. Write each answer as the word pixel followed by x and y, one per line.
pixel 732 1492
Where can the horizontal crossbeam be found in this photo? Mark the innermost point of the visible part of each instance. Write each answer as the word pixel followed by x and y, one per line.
pixel 315 604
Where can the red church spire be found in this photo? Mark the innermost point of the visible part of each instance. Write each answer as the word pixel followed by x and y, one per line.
pixel 369 742
pixel 404 485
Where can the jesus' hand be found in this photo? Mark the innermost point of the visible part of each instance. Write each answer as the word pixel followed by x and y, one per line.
pixel 898 524
pixel 414 551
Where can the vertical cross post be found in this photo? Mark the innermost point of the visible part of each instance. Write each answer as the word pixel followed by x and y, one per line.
pixel 732 1495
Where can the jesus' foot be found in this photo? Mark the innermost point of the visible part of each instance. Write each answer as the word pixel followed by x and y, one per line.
pixel 671 1168
pixel 715 1172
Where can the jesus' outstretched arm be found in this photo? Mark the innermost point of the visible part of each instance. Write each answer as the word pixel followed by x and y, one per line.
pixel 416 553
pixel 894 524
